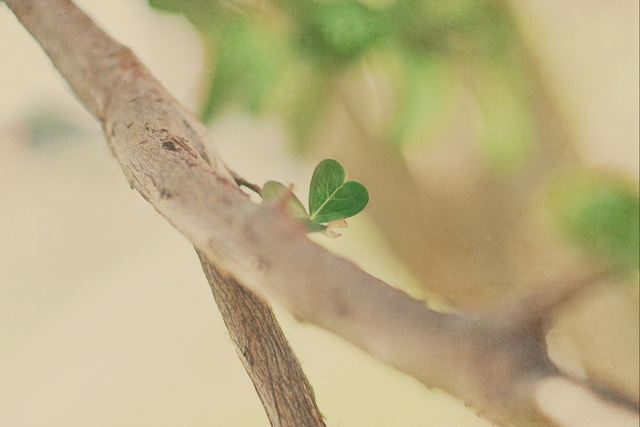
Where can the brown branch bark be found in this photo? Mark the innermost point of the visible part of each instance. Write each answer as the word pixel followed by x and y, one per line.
pixel 264 351
pixel 271 364
pixel 491 365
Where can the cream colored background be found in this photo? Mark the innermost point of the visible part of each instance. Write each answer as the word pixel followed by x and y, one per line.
pixel 105 316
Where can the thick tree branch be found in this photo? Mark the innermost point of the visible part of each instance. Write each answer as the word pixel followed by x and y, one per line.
pixel 491 365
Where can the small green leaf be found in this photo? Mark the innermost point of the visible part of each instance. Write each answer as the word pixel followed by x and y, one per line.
pixel 332 196
pixel 274 190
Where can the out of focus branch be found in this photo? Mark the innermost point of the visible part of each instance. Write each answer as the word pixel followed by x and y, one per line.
pixel 572 405
pixel 492 366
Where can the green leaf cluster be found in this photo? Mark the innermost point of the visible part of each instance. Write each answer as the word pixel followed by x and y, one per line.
pixel 281 57
pixel 600 213
pixel 332 197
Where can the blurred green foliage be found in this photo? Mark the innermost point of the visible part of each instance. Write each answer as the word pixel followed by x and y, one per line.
pixel 281 58
pixel 338 32
pixel 508 136
pixel 248 61
pixel 600 213
pixel 426 95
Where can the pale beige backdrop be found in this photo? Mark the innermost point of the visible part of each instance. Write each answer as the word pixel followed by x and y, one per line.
pixel 105 316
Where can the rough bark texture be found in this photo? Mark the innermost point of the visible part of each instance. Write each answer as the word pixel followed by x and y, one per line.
pixel 74 42
pixel 491 364
pixel 264 351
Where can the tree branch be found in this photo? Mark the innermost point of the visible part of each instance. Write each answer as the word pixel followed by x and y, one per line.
pixel 274 369
pixel 572 405
pixel 271 364
pixel 491 365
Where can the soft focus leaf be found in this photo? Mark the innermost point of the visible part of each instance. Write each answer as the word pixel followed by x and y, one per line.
pixel 340 31
pixel 332 196
pixel 508 128
pixel 247 60
pixel 201 13
pixel 600 213
pixel 427 94
pixel 274 190
pixel 300 96
pixel 440 25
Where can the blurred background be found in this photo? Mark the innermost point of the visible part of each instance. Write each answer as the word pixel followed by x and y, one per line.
pixel 498 140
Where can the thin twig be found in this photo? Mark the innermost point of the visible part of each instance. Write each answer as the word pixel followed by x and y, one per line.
pixel 244 183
